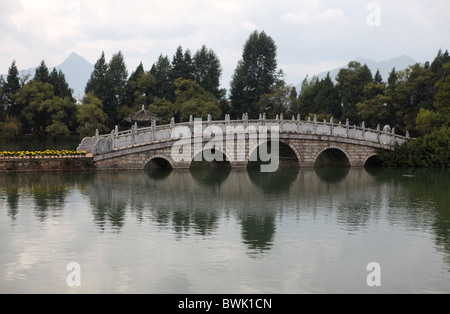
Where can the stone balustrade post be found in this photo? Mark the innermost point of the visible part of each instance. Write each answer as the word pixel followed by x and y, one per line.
pixel 331 126
pixel 347 125
pixel 153 125
pixel 363 126
pixel 315 125
pixel 378 133
pixel 133 136
pixel 113 138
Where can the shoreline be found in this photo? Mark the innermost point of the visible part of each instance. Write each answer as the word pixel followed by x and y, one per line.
pixel 46 164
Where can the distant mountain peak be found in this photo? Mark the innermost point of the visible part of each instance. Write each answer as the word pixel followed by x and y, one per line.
pixel 76 69
pixel 385 67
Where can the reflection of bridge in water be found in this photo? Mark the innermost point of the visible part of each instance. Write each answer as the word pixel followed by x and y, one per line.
pixel 199 203
pixel 303 143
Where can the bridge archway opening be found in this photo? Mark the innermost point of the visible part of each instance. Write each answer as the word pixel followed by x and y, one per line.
pixel 373 162
pixel 201 162
pixel 158 163
pixel 211 173
pixel 287 156
pixel 332 157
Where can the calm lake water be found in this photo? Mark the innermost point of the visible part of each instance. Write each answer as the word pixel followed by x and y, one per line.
pixel 228 231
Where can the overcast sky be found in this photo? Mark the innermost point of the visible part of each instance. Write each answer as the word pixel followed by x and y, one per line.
pixel 312 36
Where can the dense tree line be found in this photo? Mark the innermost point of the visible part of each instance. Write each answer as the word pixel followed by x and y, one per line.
pixel 414 100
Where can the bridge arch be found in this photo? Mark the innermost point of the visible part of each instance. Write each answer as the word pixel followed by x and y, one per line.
pixel 289 155
pixel 159 161
pixel 224 163
pixel 332 156
pixel 372 160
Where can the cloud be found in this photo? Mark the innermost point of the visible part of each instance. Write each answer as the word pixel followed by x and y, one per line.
pixel 306 32
pixel 303 18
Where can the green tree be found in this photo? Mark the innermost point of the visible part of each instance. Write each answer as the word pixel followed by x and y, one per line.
pixel 392 80
pixel 10 129
pixel 306 96
pixel 255 74
pixel 41 74
pixel 44 113
pixel 437 66
pixel 377 79
pixel 162 70
pixel 427 120
pixel 91 116
pixel 181 65
pixel 416 90
pixel 163 108
pixel 116 80
pixel 193 100
pixel 60 85
pixel 320 97
pixel 97 83
pixel 350 84
pixel 131 87
pixel 207 71
pixel 442 97
pixel 327 100
pixel 8 89
pixel 279 101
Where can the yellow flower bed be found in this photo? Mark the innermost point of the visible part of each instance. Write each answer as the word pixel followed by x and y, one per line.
pixel 45 153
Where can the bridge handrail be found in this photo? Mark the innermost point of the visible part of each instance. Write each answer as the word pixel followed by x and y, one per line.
pixel 116 140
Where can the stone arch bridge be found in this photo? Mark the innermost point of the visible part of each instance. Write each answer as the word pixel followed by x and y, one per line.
pixel 236 143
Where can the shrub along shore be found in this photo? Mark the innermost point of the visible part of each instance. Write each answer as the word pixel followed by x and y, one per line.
pixel 44 161
pixel 42 154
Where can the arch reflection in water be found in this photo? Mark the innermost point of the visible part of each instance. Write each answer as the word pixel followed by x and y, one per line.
pixel 332 174
pixel 273 182
pixel 210 173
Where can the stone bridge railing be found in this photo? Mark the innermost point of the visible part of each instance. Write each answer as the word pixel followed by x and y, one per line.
pixel 102 144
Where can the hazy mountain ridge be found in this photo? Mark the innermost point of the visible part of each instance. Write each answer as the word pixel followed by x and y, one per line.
pixel 399 63
pixel 76 69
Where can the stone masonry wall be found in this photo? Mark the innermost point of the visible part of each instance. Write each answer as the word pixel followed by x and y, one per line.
pixel 10 165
